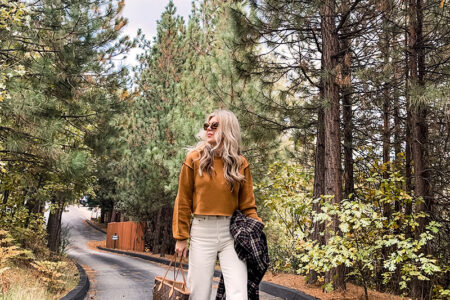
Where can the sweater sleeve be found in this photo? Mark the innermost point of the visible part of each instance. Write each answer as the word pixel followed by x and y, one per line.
pixel 246 197
pixel 183 203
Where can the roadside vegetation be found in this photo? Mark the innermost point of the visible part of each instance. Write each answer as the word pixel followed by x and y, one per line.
pixel 34 273
pixel 343 106
pixel 57 87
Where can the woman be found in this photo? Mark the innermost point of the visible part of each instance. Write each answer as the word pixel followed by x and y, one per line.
pixel 215 180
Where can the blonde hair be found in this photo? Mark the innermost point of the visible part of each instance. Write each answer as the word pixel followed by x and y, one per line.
pixel 228 146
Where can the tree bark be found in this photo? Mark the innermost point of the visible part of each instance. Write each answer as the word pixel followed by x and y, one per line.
pixel 408 170
pixel 319 184
pixel 333 182
pixel 422 189
pixel 54 224
pixel 347 116
pixel 102 215
pixel 158 237
pixel 387 208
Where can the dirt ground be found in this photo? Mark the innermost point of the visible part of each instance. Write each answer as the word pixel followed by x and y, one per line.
pixel 353 292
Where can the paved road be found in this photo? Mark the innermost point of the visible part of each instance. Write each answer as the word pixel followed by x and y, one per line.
pixel 112 276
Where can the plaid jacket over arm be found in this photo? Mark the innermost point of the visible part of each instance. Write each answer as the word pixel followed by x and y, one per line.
pixel 251 246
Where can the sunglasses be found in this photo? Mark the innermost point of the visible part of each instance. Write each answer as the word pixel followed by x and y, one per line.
pixel 213 126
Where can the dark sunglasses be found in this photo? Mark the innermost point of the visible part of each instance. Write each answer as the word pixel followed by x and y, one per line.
pixel 213 126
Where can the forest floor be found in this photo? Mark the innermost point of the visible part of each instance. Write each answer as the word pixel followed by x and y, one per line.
pixel 298 282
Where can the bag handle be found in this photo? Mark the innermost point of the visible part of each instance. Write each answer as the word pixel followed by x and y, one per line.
pixel 175 274
pixel 180 269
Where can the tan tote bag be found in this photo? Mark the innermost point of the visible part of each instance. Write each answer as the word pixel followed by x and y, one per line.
pixel 166 289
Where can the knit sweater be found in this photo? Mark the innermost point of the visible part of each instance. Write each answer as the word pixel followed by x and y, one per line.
pixel 210 194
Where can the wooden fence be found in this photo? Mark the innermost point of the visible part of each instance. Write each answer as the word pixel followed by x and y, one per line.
pixel 130 236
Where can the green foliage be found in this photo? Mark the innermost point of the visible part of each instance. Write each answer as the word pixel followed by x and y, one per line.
pixel 13 15
pixel 149 159
pixel 363 232
pixel 286 193
pixel 62 92
pixel 28 229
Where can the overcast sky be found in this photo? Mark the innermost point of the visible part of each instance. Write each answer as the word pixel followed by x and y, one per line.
pixel 144 14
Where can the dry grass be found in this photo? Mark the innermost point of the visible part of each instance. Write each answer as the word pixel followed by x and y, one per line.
pixel 92 245
pixel 24 283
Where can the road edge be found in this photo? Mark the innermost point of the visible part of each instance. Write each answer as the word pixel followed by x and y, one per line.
pixel 265 286
pixel 80 291
pixel 95 227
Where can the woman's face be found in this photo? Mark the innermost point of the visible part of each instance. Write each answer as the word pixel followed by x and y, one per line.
pixel 210 132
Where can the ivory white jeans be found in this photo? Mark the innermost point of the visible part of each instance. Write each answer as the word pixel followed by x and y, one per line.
pixel 210 237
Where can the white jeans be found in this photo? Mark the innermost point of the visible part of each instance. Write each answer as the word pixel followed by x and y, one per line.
pixel 210 236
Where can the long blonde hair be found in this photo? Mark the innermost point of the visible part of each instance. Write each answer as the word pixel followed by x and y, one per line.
pixel 228 146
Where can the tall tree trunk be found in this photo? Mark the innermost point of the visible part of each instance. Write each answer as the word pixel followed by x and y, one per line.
pixel 347 116
pixel 102 215
pixel 419 289
pixel 54 224
pixel 333 182
pixel 394 285
pixel 158 237
pixel 408 169
pixel 408 142
pixel 167 241
pixel 387 209
pixel 319 184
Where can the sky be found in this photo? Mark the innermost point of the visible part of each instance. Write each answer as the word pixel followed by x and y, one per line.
pixel 144 14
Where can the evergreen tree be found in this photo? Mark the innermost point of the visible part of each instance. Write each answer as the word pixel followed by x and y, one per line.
pixel 150 158
pixel 68 83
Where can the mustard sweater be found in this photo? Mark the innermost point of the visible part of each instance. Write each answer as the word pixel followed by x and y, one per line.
pixel 209 195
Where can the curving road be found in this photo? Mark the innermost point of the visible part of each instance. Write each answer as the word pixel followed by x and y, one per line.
pixel 112 276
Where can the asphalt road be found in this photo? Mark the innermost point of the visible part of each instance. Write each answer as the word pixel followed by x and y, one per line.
pixel 112 276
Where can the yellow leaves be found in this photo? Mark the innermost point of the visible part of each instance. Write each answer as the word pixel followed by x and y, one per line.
pixel 11 13
pixel 8 251
pixel 51 273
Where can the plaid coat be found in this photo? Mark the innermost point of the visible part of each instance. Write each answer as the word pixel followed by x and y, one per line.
pixel 251 246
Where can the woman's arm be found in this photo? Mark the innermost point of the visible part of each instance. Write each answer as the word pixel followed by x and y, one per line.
pixel 183 203
pixel 246 197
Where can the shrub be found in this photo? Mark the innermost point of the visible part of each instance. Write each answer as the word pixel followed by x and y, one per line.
pixel 51 274
pixel 375 249
pixel 9 251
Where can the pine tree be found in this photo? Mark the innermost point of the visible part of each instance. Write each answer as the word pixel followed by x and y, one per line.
pixel 66 85
pixel 151 159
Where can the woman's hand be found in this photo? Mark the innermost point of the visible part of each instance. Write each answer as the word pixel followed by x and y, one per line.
pixel 181 247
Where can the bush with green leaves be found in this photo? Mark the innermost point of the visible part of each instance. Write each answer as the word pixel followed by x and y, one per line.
pixel 367 242
pixel 286 197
